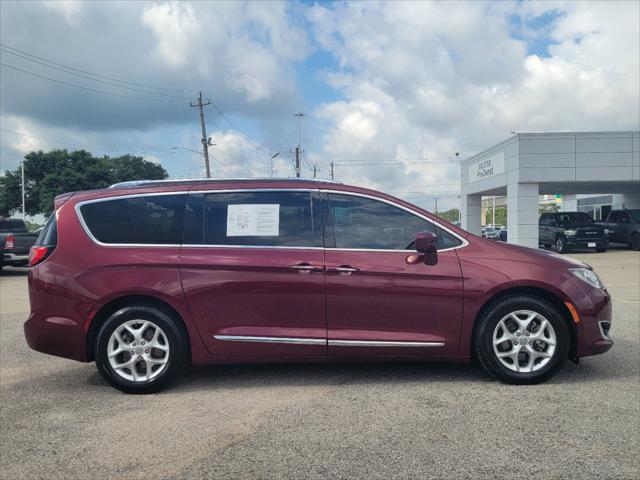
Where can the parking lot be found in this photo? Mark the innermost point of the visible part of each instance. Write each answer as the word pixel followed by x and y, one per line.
pixel 382 420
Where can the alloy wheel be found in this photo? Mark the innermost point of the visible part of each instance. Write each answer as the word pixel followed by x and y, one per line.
pixel 524 341
pixel 138 350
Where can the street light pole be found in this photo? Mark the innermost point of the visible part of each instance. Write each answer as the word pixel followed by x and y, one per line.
pixel 23 210
pixel 272 157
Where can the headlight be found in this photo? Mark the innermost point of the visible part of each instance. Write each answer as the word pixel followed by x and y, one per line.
pixel 588 276
pixel 570 233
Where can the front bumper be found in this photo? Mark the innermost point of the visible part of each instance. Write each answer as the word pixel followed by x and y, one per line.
pixel 595 319
pixel 584 242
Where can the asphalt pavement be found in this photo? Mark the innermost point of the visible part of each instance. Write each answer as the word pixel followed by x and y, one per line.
pixel 59 420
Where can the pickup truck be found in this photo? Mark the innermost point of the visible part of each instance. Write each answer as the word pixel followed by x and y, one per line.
pixel 624 227
pixel 565 230
pixel 15 242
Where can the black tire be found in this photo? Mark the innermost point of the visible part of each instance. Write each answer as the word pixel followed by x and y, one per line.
pixel 635 241
pixel 175 336
pixel 483 339
pixel 560 245
pixel 602 248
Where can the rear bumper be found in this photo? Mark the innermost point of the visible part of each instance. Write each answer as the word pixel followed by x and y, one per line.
pixel 58 336
pixel 15 258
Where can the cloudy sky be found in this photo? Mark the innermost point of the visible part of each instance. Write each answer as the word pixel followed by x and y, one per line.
pixel 391 90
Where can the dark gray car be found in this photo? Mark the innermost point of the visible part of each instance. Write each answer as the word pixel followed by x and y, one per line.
pixel 564 230
pixel 624 227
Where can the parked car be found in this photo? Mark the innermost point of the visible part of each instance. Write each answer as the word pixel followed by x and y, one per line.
pixel 624 227
pixel 15 242
pixel 565 230
pixel 503 235
pixel 152 275
pixel 491 233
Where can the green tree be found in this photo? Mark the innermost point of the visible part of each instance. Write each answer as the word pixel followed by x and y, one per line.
pixel 48 174
pixel 451 216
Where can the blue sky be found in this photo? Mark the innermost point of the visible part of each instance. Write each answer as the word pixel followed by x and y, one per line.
pixel 390 89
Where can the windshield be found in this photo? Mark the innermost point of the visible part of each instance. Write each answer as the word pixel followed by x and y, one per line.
pixel 636 215
pixel 566 218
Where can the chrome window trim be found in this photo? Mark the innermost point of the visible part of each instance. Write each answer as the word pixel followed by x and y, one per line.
pixel 85 227
pixel 463 241
pixel 382 343
pixel 260 339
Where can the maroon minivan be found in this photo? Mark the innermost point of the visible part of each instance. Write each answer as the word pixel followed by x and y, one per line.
pixel 144 277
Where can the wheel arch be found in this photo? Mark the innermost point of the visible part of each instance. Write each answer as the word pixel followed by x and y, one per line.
pixel 116 304
pixel 532 291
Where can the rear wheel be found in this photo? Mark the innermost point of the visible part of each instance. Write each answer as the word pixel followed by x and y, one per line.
pixel 522 340
pixel 635 241
pixel 561 244
pixel 140 349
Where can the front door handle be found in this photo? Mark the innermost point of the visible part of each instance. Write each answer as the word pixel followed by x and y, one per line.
pixel 345 269
pixel 306 268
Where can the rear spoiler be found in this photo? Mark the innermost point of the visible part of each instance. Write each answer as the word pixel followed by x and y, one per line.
pixel 61 199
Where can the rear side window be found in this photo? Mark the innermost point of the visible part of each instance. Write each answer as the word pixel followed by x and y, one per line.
pixel 271 219
pixel 146 220
pixel 364 223
pixel 49 235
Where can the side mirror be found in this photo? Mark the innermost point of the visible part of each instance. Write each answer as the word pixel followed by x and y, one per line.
pixel 427 244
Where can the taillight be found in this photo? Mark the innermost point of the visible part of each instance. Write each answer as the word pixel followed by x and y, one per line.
pixel 37 254
pixel 10 241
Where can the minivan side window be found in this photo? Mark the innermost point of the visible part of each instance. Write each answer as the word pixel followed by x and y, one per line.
pixel 266 219
pixel 364 223
pixel 145 219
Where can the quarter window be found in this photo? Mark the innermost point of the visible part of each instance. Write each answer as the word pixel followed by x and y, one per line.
pixel 360 222
pixel 151 219
pixel 271 219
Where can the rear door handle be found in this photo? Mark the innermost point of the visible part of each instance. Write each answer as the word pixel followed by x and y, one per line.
pixel 345 269
pixel 306 268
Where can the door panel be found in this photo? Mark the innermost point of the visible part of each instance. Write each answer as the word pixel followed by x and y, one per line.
pixel 379 300
pixel 390 300
pixel 253 274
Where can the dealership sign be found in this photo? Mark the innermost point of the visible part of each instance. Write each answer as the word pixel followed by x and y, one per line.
pixel 487 167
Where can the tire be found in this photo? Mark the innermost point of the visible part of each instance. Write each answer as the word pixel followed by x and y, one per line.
pixel 133 330
pixel 635 241
pixel 560 245
pixel 602 248
pixel 490 325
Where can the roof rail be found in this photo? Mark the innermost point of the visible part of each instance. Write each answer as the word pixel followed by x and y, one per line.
pixel 180 181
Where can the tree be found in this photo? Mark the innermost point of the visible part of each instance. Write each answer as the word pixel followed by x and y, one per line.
pixel 450 216
pixel 48 174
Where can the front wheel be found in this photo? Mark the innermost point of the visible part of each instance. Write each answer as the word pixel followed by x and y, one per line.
pixel 522 340
pixel 140 349
pixel 561 244
pixel 635 241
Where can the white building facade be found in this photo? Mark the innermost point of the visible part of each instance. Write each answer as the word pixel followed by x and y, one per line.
pixel 584 167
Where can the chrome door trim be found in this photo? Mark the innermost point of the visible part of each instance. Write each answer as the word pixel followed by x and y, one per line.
pixel 260 339
pixel 382 343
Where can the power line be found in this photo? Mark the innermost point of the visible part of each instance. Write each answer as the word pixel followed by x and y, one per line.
pixel 87 88
pixel 94 79
pixel 95 74
pixel 242 132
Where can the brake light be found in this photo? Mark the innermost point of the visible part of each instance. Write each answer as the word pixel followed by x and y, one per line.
pixel 10 241
pixel 37 254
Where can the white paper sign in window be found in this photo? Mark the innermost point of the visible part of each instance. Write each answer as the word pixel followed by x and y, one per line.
pixel 253 220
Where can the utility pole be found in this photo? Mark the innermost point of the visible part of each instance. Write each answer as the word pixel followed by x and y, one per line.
pixel 436 212
pixel 315 171
pixel 298 148
pixel 331 170
pixel 205 142
pixel 24 214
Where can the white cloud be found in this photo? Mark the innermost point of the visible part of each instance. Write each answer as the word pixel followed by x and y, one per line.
pixel 175 27
pixel 427 79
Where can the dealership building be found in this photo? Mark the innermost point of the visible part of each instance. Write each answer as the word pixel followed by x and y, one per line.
pixel 593 171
